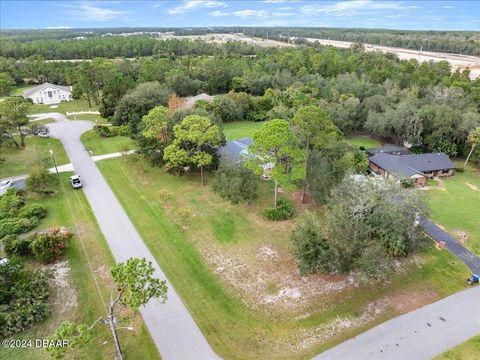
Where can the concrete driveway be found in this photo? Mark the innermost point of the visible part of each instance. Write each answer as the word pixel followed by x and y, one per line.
pixel 171 326
pixel 421 334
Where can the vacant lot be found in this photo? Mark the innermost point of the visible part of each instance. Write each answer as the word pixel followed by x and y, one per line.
pixel 230 266
pixel 19 161
pixel 98 145
pixel 455 204
pixel 81 294
pixel 469 350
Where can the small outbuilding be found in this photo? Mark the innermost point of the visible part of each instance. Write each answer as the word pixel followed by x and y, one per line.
pixel 48 94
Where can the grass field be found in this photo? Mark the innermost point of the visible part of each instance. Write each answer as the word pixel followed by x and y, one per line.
pixel 363 140
pixel 64 107
pixel 241 129
pixel 90 117
pixel 98 145
pixel 218 230
pixel 19 161
pixel 89 259
pixel 456 206
pixel 469 350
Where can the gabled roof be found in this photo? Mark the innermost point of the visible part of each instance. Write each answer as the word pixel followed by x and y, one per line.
pixel 235 149
pixel 34 89
pixel 409 165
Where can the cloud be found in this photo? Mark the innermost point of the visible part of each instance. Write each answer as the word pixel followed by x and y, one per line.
pixel 250 13
pixel 196 4
pixel 57 27
pixel 95 13
pixel 218 13
pixel 448 7
pixel 350 8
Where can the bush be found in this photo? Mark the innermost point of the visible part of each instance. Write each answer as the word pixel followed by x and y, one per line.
pixel 235 182
pixel 49 246
pixel 23 298
pixel 10 203
pixel 32 210
pixel 111 131
pixel 283 211
pixel 459 169
pixel 14 245
pixel 39 180
pixel 16 226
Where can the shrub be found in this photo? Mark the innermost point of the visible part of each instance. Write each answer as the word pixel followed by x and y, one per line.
pixel 103 131
pixel 10 203
pixel 15 226
pixel 39 180
pixel 283 211
pixel 23 299
pixel 49 246
pixel 459 169
pixel 235 182
pixel 110 131
pixel 32 210
pixel 14 245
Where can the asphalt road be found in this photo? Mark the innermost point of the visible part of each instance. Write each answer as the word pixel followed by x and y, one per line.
pixel 421 334
pixel 171 326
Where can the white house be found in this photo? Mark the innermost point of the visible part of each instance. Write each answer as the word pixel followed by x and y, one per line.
pixel 48 94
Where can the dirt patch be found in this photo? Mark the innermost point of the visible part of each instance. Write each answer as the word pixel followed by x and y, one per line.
pixel 472 186
pixel 64 297
pixel 404 302
pixel 462 236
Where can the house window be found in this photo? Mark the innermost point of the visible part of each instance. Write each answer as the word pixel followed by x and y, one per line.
pixel 49 94
pixel 445 171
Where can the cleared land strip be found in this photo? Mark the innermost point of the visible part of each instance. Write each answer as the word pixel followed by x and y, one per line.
pixel 173 329
pixel 421 334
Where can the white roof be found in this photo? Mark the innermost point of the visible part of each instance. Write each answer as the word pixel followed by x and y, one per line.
pixel 191 100
pixel 45 85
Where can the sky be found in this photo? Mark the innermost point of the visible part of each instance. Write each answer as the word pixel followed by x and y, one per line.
pixel 390 14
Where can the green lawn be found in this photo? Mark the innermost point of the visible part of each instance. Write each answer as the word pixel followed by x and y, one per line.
pixel 89 259
pixel 363 140
pixel 90 117
pixel 19 161
pixel 234 329
pixel 469 350
pixel 241 129
pixel 64 107
pixel 98 145
pixel 457 207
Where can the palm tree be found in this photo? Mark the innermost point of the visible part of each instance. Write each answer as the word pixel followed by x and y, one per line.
pixel 474 139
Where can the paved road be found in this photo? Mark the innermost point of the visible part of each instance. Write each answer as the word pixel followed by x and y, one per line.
pixel 421 334
pixel 438 234
pixel 173 329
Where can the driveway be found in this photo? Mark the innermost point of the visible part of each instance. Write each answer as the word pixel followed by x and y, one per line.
pixel 421 334
pixel 171 326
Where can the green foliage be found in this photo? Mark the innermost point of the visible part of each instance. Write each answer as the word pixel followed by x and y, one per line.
pixel 110 131
pixel 137 283
pixel 77 336
pixel 13 119
pixel 14 245
pixel 235 182
pixel 14 226
pixel 283 211
pixel 23 298
pixel 38 180
pixel 6 83
pixel 49 246
pixel 10 203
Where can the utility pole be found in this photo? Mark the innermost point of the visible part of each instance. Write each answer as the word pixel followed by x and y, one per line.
pixel 55 164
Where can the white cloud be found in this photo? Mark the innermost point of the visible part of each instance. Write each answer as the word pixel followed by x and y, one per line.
pixel 218 13
pixel 156 6
pixel 250 13
pixel 274 1
pixel 57 27
pixel 349 8
pixel 95 13
pixel 448 7
pixel 280 14
pixel 196 4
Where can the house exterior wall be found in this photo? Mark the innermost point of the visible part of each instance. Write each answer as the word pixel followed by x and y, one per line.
pixel 439 173
pixel 420 182
pixel 51 95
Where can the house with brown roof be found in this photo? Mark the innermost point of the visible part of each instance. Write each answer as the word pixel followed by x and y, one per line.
pixel 416 167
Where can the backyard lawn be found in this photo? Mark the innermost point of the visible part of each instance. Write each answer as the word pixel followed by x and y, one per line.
pixel 89 260
pixel 64 107
pixel 98 145
pixel 241 129
pixel 15 161
pixel 455 204
pixel 363 140
pixel 469 350
pixel 231 266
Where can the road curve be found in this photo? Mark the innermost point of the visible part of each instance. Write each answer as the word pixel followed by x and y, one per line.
pixel 171 326
pixel 421 334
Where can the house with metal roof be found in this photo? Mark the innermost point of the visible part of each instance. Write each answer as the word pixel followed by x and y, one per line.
pixel 48 94
pixel 417 167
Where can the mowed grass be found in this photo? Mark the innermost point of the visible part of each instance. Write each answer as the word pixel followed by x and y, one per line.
pixel 98 145
pixel 457 208
pixel 469 350
pixel 363 140
pixel 89 259
pixel 89 117
pixel 37 151
pixel 231 327
pixel 241 129
pixel 64 107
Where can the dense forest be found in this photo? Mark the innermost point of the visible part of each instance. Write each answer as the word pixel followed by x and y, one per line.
pixel 90 43
pixel 423 104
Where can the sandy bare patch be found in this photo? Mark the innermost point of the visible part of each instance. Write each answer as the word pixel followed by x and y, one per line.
pixel 472 186
pixel 462 236
pixel 404 302
pixel 64 297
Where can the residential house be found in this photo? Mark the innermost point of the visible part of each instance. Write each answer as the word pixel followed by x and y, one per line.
pixel 48 94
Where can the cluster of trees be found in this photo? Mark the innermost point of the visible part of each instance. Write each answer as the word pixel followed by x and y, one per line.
pixel 366 225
